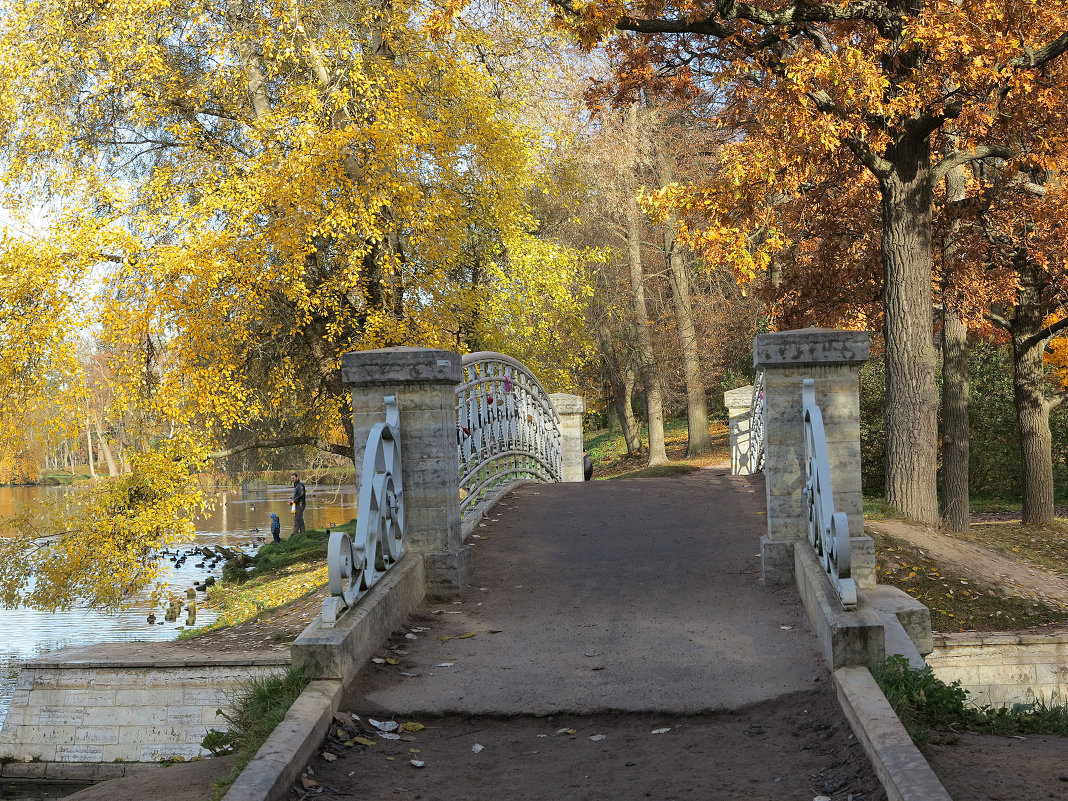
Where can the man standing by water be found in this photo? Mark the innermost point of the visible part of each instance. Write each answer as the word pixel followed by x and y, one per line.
pixel 299 498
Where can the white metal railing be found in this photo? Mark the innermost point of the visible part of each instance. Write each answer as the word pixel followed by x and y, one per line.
pixel 828 530
pixel 354 566
pixel 757 409
pixel 506 427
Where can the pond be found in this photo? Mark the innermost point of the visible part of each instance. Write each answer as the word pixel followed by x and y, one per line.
pixel 240 520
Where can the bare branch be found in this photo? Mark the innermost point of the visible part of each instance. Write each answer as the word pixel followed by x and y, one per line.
pixel 998 319
pixel 978 154
pixel 284 442
pixel 1038 58
pixel 1047 333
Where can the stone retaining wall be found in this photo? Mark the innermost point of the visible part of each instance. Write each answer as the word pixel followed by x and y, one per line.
pixel 118 704
pixel 1004 668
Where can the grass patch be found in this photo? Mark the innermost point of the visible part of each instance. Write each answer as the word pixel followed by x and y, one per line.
pixel 608 452
pixel 278 574
pixel 925 703
pixel 259 706
pixel 876 508
pixel 662 471
pixel 957 603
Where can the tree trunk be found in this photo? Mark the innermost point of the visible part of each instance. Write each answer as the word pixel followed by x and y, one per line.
pixel 955 445
pixel 112 469
pixel 698 440
pixel 89 447
pixel 650 374
pixel 911 389
pixel 1032 408
pixel 625 407
pixel 621 380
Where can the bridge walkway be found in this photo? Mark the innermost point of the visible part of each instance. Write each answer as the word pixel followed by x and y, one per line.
pixel 628 595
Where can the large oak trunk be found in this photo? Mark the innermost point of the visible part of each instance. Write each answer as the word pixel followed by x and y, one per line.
pixel 955 376
pixel 955 447
pixel 911 389
pixel 1032 408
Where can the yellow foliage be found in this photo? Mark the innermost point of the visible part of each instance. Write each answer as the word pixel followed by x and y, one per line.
pixel 95 547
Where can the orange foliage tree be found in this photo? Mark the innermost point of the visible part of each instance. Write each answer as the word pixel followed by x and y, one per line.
pixel 880 83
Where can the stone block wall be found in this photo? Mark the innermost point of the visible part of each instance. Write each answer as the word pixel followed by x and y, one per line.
pixel 1001 669
pixel 743 455
pixel 78 705
pixel 570 408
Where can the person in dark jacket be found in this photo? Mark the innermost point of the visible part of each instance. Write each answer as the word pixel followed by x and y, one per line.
pixel 276 527
pixel 299 498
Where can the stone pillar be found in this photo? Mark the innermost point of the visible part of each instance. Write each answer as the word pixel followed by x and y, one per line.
pixel 424 382
pixel 571 408
pixel 833 358
pixel 739 403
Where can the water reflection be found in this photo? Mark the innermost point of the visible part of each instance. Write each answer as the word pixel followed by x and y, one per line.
pixel 239 520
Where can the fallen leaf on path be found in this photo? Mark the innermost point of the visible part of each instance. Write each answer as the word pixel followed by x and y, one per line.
pixel 786 628
pixel 598 737
pixel 446 664
pixel 328 756
pixel 661 731
pixel 389 736
pixel 468 635
pixel 308 784
pixel 418 763
pixel 363 740
pixel 477 748
pixel 379 660
pixel 392 661
pixel 413 726
pixel 566 731
pixel 384 725
pixel 445 637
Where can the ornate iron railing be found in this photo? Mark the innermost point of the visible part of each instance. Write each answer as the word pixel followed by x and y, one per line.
pixel 828 530
pixel 757 408
pixel 506 427
pixel 355 566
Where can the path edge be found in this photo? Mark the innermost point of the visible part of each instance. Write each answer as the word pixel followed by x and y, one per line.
pixel 903 771
pixel 282 758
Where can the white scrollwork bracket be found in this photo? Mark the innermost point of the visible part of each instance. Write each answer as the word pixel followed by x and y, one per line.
pixel 354 565
pixel 828 530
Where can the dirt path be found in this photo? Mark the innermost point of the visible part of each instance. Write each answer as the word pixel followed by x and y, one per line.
pixel 1015 578
pixel 794 748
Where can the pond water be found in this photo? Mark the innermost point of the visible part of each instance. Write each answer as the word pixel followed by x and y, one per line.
pixel 240 520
